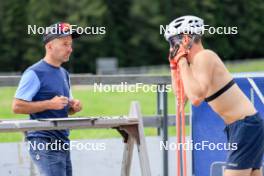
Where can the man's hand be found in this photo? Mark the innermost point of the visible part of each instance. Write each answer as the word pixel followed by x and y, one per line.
pixel 58 102
pixel 75 106
pixel 181 53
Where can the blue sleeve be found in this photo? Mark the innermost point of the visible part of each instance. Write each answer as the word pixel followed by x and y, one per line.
pixel 28 86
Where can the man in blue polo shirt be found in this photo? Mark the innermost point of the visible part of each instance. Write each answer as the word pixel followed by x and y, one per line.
pixel 44 92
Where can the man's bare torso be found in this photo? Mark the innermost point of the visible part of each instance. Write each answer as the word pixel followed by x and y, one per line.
pixel 232 105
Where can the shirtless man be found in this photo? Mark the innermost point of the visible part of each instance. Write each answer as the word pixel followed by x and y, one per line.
pixel 205 78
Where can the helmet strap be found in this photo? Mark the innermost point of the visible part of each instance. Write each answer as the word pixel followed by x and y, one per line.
pixel 191 42
pixel 174 52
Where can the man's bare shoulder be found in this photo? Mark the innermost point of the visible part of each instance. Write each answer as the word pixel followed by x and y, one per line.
pixel 206 56
pixel 206 59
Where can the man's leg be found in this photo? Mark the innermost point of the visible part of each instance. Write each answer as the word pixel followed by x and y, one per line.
pixel 48 162
pixel 244 172
pixel 68 164
pixel 257 172
pixel 248 134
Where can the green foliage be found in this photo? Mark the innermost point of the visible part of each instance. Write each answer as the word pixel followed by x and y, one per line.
pixel 132 29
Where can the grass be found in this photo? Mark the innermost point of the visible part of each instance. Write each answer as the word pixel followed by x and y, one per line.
pixel 252 65
pixel 108 104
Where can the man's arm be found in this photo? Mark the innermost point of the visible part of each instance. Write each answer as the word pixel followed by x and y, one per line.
pixel 196 87
pixel 27 107
pixel 28 87
pixel 75 104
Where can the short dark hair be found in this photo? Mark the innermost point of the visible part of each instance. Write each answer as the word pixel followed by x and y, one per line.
pixel 197 38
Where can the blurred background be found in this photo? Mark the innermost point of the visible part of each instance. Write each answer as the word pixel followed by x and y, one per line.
pixel 132 30
pixel 132 43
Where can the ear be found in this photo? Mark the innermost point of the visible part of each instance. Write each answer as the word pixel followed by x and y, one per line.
pixel 49 45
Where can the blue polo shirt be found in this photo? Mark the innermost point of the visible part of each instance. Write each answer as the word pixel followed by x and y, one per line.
pixel 40 82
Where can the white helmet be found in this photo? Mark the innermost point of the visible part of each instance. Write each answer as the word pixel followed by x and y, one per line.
pixel 184 25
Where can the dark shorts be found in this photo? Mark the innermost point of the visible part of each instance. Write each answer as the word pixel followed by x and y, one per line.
pixel 248 135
